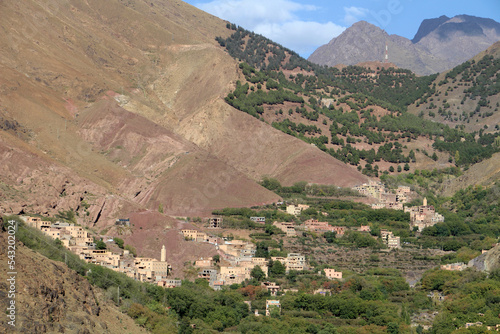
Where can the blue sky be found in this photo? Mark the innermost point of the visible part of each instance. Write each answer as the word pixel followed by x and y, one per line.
pixel 303 25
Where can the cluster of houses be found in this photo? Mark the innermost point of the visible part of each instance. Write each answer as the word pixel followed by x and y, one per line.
pixel 238 260
pixel 386 199
pixel 423 216
pixel 81 243
pixel 420 216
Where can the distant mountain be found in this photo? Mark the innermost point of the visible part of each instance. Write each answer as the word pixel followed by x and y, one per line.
pixel 459 38
pixel 439 44
pixel 364 41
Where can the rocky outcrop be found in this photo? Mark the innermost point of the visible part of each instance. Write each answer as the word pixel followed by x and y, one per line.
pixel 488 261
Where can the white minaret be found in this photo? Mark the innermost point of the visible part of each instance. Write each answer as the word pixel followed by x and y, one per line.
pixel 386 53
pixel 163 254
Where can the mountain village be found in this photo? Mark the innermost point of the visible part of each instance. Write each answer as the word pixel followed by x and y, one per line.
pixel 237 257
pixel 170 168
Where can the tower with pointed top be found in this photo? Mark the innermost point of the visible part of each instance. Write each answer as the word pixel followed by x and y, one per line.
pixel 163 257
pixel 424 202
pixel 386 59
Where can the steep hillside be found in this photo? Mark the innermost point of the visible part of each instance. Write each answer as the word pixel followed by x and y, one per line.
pixel 438 45
pixel 119 105
pixel 428 26
pixel 484 173
pixel 52 298
pixel 467 96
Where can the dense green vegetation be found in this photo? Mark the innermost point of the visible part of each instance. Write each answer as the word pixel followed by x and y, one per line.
pixel 471 297
pixel 304 190
pixel 465 149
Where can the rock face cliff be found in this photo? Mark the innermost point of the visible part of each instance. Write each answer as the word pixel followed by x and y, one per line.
pixel 51 298
pixel 438 45
pixel 488 261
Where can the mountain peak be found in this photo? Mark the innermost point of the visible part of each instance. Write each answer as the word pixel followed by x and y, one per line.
pixel 363 26
pixel 427 26
pixel 439 44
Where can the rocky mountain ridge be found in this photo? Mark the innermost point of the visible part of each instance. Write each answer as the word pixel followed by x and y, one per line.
pixel 438 45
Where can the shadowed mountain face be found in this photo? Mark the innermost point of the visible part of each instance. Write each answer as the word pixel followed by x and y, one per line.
pixel 427 26
pixel 438 45
pixel 114 107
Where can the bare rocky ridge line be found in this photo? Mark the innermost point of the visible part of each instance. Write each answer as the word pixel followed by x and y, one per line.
pixel 439 45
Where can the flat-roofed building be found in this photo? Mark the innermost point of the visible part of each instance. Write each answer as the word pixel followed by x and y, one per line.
pixel 296 209
pixel 204 263
pixel 272 287
pixel 194 235
pixel 169 283
pixel 331 273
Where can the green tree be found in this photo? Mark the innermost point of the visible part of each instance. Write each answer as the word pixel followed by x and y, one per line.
pixel 276 269
pixel 119 242
pixel 392 328
pixel 58 243
pixel 262 250
pixel 330 236
pixel 131 249
pixel 100 245
pixel 258 273
pixel 271 184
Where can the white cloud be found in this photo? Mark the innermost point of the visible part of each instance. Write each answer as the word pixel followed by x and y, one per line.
pixel 354 14
pixel 301 36
pixel 278 20
pixel 249 13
